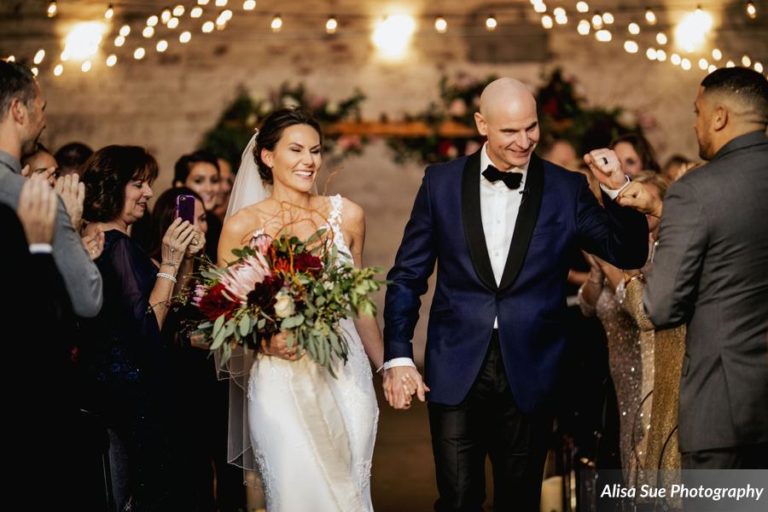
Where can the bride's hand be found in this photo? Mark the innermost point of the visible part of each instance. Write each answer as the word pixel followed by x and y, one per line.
pixel 277 346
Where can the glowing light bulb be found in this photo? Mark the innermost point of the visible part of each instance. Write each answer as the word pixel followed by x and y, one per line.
pixel 441 25
pixel 582 7
pixel 631 47
pixel 111 60
pixel 491 23
pixel 331 25
pixel 139 53
pixel 162 45
pixel 583 27
pixel 39 56
pixel 633 28
pixel 185 37
pixel 276 24
pixel 650 16
pixel 603 35
pixel 109 13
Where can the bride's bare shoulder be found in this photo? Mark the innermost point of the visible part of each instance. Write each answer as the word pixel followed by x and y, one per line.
pixel 247 219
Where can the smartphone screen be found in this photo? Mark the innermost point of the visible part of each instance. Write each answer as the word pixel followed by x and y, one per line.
pixel 185 207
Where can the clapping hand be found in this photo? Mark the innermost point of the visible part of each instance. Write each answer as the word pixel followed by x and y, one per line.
pixel 72 192
pixel 401 383
pixel 638 197
pixel 605 166
pixel 37 210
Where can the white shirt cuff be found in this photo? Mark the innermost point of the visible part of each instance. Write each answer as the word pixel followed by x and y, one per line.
pixel 399 361
pixel 40 248
pixel 613 194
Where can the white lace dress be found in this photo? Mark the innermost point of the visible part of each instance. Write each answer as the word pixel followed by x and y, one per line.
pixel 313 434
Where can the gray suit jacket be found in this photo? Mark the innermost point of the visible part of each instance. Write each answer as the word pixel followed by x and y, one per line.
pixel 711 272
pixel 81 276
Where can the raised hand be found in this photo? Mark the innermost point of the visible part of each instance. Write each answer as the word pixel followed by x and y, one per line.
pixel 72 192
pixel 401 383
pixel 93 243
pixel 37 210
pixel 638 197
pixel 177 238
pixel 606 168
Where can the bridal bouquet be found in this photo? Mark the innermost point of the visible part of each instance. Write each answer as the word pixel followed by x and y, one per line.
pixel 284 284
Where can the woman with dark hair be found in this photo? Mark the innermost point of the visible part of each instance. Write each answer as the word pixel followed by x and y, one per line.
pixel 124 355
pixel 199 171
pixel 303 421
pixel 635 154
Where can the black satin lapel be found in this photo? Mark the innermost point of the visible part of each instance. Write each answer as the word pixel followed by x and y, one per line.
pixel 473 221
pixel 526 222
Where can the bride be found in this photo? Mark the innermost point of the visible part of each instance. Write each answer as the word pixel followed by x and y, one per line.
pixel 312 434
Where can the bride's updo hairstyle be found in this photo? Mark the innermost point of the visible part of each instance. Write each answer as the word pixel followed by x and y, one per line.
pixel 272 129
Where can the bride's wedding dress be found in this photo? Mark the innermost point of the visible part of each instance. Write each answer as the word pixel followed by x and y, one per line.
pixel 313 434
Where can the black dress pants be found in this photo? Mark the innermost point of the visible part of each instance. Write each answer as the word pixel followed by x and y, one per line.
pixel 488 423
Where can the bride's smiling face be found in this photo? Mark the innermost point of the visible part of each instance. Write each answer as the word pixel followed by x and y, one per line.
pixel 296 158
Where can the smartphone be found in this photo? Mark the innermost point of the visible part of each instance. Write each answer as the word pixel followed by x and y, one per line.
pixel 185 207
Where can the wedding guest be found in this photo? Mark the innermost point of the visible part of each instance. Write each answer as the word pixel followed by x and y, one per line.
pixel 41 161
pixel 71 158
pixel 635 154
pixel 22 120
pixel 199 171
pixel 125 357
pixel 676 166
pixel 711 273
pixel 226 182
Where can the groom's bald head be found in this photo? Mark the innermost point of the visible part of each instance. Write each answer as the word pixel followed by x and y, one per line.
pixel 505 94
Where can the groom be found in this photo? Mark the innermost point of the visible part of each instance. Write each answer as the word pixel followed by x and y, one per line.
pixel 501 224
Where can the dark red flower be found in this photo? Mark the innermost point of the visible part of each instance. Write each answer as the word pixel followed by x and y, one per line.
pixel 263 294
pixel 306 262
pixel 214 303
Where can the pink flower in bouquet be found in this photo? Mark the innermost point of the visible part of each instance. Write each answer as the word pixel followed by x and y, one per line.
pixel 240 279
pixel 261 243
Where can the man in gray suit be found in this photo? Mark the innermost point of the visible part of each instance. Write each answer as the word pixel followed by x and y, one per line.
pixel 22 120
pixel 711 272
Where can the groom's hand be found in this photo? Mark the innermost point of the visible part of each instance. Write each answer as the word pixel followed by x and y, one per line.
pixel 401 383
pixel 605 166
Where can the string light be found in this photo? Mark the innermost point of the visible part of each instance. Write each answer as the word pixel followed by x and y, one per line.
pixel 491 23
pixel 582 7
pixel 661 38
pixel 604 36
pixel 220 3
pixel 597 21
pixel 631 46
pixel 173 23
pixel 53 9
pixel 331 25
pixel 539 6
pixel 125 30
pixel 650 16
pixel 119 41
pixel 441 25
pixel 583 27
pixel 717 54
pixel 758 67
pixel 196 12
pixel 685 64
pixel 661 55
pixel 166 15
pixel 111 60
pixel 208 27
pixel 546 21
pixel 675 59
pixel 746 61
pixel 162 45
pixel 730 64
pixel 109 13
pixel 148 32
pixel 202 2
pixel 11 58
pixel 185 37
pixel 703 64
pixel 560 16
pixel 711 68
pixel 58 70
pixel 751 10
pixel 650 53
pixel 139 53
pixel 633 28
pixel 86 66
pixel 276 24
pixel 152 21
pixel 249 5
pixel 608 18
pixel 178 11
pixel 39 56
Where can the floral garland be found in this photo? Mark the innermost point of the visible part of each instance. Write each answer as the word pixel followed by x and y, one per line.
pixel 238 121
pixel 563 115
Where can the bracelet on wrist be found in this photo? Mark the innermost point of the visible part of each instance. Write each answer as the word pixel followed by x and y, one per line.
pixel 167 276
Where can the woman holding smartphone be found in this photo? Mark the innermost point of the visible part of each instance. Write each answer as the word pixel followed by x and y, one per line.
pixel 199 171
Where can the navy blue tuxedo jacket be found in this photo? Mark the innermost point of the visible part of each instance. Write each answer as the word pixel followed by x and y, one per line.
pixel 558 215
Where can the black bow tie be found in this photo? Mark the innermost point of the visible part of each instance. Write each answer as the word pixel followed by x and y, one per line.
pixel 511 179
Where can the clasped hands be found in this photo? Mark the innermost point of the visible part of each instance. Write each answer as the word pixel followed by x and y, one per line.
pixel 401 383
